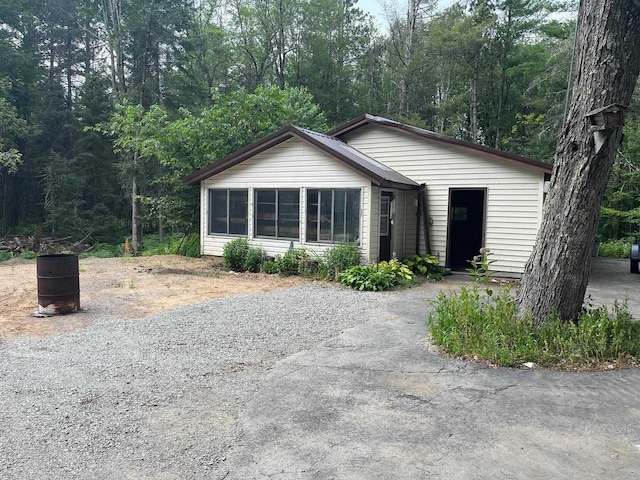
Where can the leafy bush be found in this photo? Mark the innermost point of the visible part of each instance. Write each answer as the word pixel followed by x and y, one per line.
pixel 294 262
pixel 187 246
pixel 337 259
pixel 615 249
pixel 235 254
pixel 378 277
pixel 270 267
pixel 467 325
pixel 4 255
pixel 240 257
pixel 427 266
pixel 254 259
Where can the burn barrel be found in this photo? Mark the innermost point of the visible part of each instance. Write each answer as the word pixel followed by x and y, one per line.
pixel 58 284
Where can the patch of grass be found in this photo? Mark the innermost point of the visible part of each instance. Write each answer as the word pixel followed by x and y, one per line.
pixel 28 255
pixel 4 256
pixel 468 324
pixel 103 250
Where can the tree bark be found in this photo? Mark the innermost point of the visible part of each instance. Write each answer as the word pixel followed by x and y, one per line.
pixel 607 68
pixel 135 238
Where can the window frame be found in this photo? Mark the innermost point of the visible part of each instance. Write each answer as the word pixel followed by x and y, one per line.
pixel 318 212
pixel 229 191
pixel 277 218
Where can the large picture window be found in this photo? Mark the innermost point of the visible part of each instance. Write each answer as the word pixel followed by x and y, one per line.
pixel 333 215
pixel 228 211
pixel 278 213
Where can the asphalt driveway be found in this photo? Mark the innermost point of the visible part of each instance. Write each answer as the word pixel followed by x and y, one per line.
pixel 378 403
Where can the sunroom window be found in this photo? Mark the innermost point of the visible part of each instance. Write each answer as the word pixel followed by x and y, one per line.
pixel 333 215
pixel 278 213
pixel 228 211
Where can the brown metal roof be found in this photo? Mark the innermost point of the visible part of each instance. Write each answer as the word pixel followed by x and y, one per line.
pixel 376 172
pixel 501 155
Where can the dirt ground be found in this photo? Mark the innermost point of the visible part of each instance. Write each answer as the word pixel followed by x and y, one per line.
pixel 126 288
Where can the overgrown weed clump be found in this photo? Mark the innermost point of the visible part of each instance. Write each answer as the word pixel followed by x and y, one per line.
pixel 486 327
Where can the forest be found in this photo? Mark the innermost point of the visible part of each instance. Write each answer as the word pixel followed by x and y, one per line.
pixel 106 104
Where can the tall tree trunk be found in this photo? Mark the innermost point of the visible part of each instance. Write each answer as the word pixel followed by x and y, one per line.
pixel 607 68
pixel 135 239
pixel 474 101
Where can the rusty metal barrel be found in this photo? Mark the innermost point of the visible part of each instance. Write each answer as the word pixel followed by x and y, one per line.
pixel 58 284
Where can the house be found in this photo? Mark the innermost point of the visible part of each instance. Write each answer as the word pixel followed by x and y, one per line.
pixel 394 188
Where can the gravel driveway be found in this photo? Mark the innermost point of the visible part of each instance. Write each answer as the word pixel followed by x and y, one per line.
pixel 158 397
pixel 190 394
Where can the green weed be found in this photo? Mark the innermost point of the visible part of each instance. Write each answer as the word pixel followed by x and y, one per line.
pixel 467 324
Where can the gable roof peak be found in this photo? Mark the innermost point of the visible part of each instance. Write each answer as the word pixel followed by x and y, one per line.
pixel 501 155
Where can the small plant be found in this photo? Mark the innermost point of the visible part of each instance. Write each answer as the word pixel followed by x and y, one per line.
pixel 378 277
pixel 255 258
pixel 337 259
pixel 293 262
pixel 480 265
pixel 270 267
pixel 28 255
pixel 235 254
pixel 427 266
pixel 238 256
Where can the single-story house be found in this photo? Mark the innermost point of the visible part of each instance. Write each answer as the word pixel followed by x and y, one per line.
pixel 394 188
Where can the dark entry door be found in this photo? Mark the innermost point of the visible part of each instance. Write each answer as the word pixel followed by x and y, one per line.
pixel 466 226
pixel 385 226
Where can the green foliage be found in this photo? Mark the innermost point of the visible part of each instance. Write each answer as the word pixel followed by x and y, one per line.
pixel 466 324
pixel 103 250
pixel 620 211
pixel 480 265
pixel 188 246
pixel 254 260
pixel 235 254
pixel 378 277
pixel 294 262
pixel 337 259
pixel 28 255
pixel 238 256
pixel 5 255
pixel 615 249
pixel 426 266
pixel 270 267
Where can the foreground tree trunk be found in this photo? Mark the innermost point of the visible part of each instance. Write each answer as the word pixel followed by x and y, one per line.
pixel 606 71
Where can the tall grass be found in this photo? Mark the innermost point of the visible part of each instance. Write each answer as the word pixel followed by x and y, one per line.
pixel 469 324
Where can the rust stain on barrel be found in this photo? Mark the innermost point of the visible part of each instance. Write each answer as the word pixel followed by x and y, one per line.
pixel 58 284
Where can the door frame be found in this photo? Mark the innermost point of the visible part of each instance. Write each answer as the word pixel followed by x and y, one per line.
pixel 390 194
pixel 484 190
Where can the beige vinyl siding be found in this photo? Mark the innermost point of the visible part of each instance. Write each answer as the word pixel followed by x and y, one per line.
pixel 514 194
pixel 292 164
